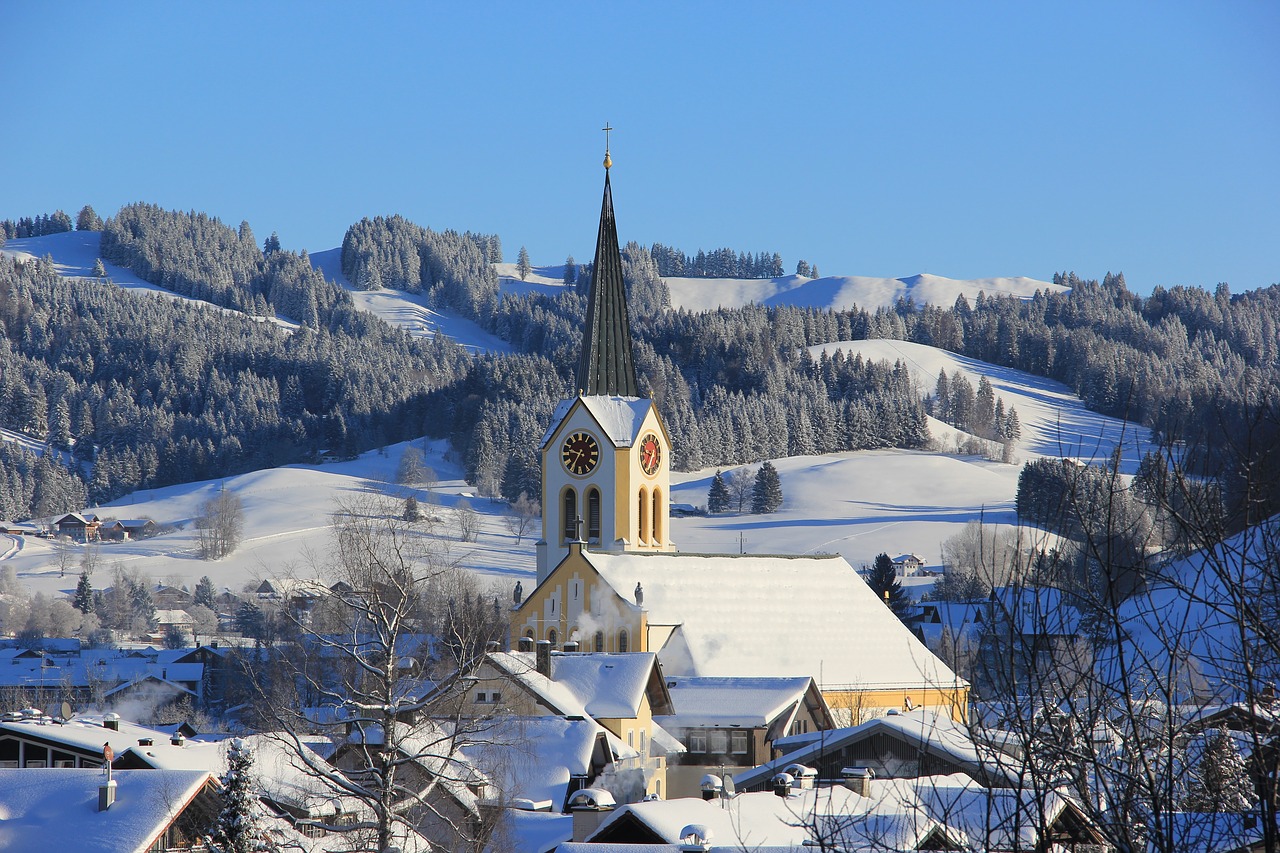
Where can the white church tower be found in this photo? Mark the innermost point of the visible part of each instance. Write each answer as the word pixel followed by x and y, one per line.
pixel 606 459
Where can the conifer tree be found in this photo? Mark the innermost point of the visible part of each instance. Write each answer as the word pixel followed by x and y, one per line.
pixel 718 495
pixel 204 594
pixel 236 830
pixel 883 580
pixel 767 494
pixel 522 264
pixel 412 512
pixel 1221 782
pixel 83 600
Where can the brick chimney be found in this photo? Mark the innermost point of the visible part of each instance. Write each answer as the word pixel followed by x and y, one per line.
pixel 544 657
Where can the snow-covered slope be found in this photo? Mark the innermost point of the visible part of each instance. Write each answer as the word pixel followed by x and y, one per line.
pixel 74 254
pixel 842 292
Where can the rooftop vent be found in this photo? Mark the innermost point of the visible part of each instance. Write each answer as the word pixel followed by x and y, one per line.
pixel 111 721
pixel 781 784
pixel 711 786
pixel 146 741
pixel 694 838
pixel 858 779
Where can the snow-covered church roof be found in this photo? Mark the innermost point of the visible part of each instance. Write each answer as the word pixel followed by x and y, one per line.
pixel 774 616
pixel 619 417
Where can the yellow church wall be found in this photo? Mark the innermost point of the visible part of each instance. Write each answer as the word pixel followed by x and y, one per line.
pixel 850 706
pixel 576 602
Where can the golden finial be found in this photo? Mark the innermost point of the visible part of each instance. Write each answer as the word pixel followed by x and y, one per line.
pixel 608 161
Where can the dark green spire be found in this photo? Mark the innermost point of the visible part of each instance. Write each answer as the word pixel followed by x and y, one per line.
pixel 606 366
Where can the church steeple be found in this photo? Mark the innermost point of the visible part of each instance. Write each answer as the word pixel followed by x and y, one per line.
pixel 606 366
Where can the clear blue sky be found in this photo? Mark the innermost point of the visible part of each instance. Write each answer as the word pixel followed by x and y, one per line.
pixel 965 140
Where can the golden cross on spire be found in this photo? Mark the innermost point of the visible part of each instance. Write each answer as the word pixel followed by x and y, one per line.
pixel 608 161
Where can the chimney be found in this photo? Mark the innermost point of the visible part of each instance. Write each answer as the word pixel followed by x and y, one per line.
pixel 858 780
pixel 805 777
pixel 711 786
pixel 589 807
pixel 544 658
pixel 571 646
pixel 106 794
pixel 111 721
pixel 695 838
pixel 146 741
pixel 177 739
pixel 781 784
pixel 525 644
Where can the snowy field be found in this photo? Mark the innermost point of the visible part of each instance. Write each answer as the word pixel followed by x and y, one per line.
pixel 857 503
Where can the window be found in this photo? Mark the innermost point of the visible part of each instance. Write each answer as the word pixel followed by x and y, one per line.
pixel 599 641
pixel 697 741
pixel 623 646
pixel 643 517
pixel 719 742
pixel 553 637
pixel 656 518
pixel 738 743
pixel 570 515
pixel 593 515
pixel 642 742
pixel 481 697
pixel 495 696
pixel 631 738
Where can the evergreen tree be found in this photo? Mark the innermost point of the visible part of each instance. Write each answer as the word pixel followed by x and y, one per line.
pixel 99 271
pixel 570 270
pixel 884 582
pixel 718 495
pixel 412 512
pixel 205 594
pixel 236 830
pixel 84 601
pixel 88 219
pixel 766 496
pixel 522 264
pixel 271 244
pixel 1221 782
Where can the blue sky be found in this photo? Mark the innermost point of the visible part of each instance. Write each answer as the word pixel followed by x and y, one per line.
pixel 964 140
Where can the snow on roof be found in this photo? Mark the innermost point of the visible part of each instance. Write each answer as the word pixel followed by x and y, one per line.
pixel 280 772
pixel 754 819
pixel 533 832
pixel 931 730
pixel 534 757
pixel 619 417
pixel 599 684
pixel 86 733
pixel 721 701
pixel 774 616
pixel 57 809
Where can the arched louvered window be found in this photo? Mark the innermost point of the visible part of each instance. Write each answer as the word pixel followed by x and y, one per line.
pixel 657 517
pixel 553 637
pixel 570 515
pixel 623 641
pixel 593 514
pixel 599 641
pixel 643 516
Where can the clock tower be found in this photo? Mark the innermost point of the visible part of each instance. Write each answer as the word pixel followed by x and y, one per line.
pixel 606 458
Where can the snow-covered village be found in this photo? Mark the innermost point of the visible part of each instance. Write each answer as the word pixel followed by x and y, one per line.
pixel 417 542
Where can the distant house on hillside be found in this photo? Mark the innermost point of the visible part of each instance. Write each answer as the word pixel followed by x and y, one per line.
pixel 907 565
pixel 81 528
pixel 123 530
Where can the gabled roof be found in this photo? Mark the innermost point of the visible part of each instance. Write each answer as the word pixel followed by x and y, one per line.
pixel 928 730
pixel 702 701
pixel 597 684
pixel 535 758
pixel 57 809
pixel 619 417
pixel 773 616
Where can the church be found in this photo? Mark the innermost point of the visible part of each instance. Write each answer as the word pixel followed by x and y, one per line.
pixel 610 578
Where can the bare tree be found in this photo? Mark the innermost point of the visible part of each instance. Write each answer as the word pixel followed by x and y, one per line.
pixel 741 483
pixel 63 555
pixel 468 520
pixel 220 523
pixel 524 512
pixel 377 688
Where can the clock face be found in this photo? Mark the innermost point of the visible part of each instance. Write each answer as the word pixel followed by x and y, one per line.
pixel 650 454
pixel 580 453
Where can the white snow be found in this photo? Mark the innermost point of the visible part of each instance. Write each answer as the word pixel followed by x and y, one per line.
pixel 843 292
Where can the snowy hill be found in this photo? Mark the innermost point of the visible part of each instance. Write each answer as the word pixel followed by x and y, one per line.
pixel 843 292
pixel 856 503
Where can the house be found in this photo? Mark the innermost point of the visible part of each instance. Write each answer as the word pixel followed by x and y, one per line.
pixel 122 530
pixel 621 692
pixel 907 565
pixel 908 745
pixel 729 723
pixel 153 810
pixel 84 676
pixel 80 528
pixel 31 739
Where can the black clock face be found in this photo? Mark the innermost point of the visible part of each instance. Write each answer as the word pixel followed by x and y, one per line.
pixel 580 453
pixel 650 454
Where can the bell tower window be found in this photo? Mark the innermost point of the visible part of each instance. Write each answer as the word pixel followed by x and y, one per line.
pixel 593 515
pixel 643 516
pixel 657 517
pixel 569 518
